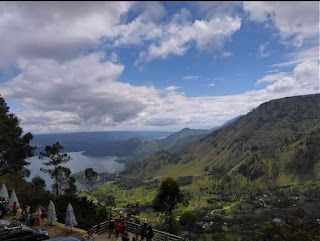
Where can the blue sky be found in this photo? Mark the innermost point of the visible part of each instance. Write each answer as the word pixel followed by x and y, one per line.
pixel 153 65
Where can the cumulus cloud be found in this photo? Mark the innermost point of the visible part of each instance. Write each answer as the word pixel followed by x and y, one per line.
pixel 55 29
pixel 177 37
pixel 64 30
pixel 304 79
pixel 87 94
pixel 61 88
pixel 296 21
pixel 84 90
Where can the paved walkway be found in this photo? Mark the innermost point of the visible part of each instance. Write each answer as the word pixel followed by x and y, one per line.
pixel 105 237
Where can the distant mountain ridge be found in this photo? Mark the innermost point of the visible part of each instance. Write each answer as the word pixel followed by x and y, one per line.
pixel 116 143
pixel 181 139
pixel 135 144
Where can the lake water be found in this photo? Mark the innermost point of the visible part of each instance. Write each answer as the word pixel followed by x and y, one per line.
pixel 78 162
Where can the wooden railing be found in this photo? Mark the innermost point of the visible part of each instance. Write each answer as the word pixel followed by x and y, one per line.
pixel 131 227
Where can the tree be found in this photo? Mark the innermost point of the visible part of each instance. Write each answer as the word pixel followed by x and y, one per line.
pixel 168 196
pixel 171 224
pixel 15 146
pixel 63 181
pixel 109 200
pixel 188 219
pixel 38 182
pixel 91 177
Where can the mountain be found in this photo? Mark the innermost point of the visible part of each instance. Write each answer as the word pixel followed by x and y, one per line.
pixel 115 143
pixel 275 144
pixel 174 143
pixel 131 145
pixel 181 139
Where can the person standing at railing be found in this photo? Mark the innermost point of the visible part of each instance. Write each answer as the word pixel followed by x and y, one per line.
pixel 149 233
pixel 111 227
pixel 117 228
pixel 137 230
pixel 125 236
pixel 143 231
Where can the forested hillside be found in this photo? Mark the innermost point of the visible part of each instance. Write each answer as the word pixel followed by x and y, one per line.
pixel 275 144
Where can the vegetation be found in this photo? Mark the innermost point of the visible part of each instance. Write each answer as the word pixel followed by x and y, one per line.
pixel 255 179
pixel 15 146
pixel 168 196
pixel 38 182
pixel 64 183
pixel 91 177
pixel 265 148
pixel 243 181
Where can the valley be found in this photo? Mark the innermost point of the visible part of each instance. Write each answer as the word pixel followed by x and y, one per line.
pixel 255 175
pixel 259 168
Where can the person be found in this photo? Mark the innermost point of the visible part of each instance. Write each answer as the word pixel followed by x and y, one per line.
pixel 111 227
pixel 122 225
pixel 38 217
pixel 143 231
pixel 19 212
pixel 125 235
pixel 149 233
pixel 14 208
pixel 137 229
pixel 117 228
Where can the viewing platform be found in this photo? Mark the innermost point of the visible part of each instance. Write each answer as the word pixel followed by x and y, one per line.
pixel 101 233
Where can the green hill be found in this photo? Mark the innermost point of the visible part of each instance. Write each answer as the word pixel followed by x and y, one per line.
pixel 275 144
pixel 181 139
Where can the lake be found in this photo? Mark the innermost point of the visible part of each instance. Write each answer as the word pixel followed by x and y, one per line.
pixel 78 162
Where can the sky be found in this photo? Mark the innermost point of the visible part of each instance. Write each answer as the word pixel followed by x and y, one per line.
pixel 97 66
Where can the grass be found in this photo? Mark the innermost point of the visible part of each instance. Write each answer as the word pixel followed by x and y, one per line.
pixel 123 196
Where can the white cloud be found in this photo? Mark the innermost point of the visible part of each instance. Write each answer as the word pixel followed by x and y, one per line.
pixel 212 84
pixel 304 79
pixel 179 35
pixel 64 30
pixel 271 77
pixel 85 90
pixel 61 89
pixel 173 88
pixel 55 29
pixel 296 21
pixel 262 50
pixel 86 94
pixel 294 58
pixel 191 77
pixel 226 54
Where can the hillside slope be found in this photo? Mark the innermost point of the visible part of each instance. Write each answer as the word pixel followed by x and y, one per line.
pixel 275 144
pixel 181 139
